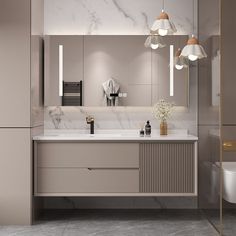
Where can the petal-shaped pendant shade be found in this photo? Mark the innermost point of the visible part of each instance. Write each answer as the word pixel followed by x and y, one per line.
pixel 193 50
pixel 154 41
pixel 180 61
pixel 163 25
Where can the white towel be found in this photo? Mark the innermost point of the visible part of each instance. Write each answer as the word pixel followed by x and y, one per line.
pixel 110 86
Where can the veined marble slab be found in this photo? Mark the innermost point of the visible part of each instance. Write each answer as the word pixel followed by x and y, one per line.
pixel 128 17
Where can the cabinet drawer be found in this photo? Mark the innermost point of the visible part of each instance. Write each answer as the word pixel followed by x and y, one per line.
pixel 76 180
pixel 113 155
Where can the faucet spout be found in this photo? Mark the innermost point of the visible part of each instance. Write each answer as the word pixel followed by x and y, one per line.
pixel 90 120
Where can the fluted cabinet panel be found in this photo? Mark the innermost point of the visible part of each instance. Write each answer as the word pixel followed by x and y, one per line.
pixel 167 168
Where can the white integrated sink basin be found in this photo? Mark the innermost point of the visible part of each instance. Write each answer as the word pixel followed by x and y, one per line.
pixel 93 135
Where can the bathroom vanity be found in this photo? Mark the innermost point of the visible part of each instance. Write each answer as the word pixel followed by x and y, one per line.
pixel 115 165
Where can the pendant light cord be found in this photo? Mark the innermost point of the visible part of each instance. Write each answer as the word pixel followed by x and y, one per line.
pixel 163 5
pixel 193 17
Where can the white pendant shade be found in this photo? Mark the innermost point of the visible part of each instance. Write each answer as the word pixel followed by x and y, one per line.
pixel 180 61
pixel 193 50
pixel 163 25
pixel 154 41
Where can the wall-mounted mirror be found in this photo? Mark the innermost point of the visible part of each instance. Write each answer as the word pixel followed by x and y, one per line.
pixel 112 71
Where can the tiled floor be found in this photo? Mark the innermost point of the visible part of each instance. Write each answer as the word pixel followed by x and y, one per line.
pixel 116 223
pixel 229 222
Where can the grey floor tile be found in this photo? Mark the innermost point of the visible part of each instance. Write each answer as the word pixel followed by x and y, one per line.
pixel 116 223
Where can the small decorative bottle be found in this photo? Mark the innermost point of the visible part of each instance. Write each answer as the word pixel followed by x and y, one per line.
pixel 148 129
pixel 141 131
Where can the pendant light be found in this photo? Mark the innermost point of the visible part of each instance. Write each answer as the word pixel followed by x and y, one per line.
pixel 163 25
pixel 154 41
pixel 193 50
pixel 180 61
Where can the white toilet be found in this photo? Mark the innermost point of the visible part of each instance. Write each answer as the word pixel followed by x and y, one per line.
pixel 229 181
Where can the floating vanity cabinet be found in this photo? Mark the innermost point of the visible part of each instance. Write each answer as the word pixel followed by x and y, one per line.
pixel 74 168
pixel 115 168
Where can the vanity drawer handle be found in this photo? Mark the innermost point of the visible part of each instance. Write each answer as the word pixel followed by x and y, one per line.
pixel 229 146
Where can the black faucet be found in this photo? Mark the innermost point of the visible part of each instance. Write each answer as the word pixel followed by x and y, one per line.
pixel 90 120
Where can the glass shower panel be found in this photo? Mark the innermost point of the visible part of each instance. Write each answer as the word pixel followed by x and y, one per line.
pixel 209 111
pixel 228 116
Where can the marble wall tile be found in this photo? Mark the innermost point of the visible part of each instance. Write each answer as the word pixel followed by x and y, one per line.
pixel 114 16
pixel 115 118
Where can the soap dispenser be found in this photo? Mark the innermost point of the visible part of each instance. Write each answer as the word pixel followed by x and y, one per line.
pixel 148 129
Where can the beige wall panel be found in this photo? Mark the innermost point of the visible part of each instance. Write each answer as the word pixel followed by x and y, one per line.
pixel 15 63
pixel 228 63
pixel 15 176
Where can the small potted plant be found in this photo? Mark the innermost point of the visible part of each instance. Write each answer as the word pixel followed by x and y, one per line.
pixel 162 110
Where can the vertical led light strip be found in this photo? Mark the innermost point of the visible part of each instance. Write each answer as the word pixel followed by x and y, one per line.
pixel 60 70
pixel 171 70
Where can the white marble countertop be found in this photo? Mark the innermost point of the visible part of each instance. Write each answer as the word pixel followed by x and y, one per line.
pixel 113 135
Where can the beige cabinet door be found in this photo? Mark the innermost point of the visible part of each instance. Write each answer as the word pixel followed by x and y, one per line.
pixel 87 155
pixel 15 63
pixel 15 176
pixel 83 180
pixel 168 168
pixel 74 168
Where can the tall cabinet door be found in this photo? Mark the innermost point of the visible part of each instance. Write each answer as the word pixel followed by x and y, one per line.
pixel 15 63
pixel 15 176
pixel 20 75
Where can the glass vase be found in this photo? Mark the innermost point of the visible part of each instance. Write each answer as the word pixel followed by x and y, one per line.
pixel 163 128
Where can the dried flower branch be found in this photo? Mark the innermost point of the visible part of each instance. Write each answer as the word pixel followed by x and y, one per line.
pixel 162 110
